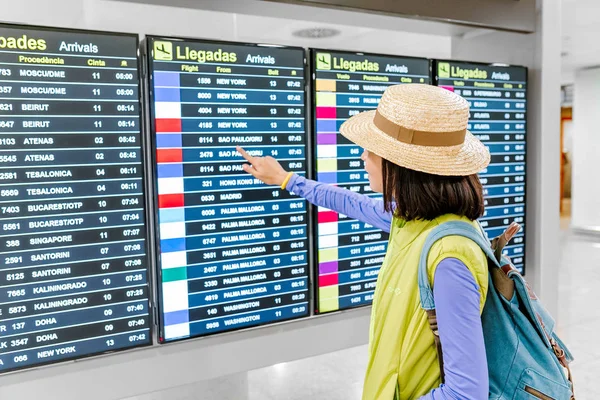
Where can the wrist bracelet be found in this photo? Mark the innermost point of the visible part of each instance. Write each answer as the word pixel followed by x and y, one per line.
pixel 286 180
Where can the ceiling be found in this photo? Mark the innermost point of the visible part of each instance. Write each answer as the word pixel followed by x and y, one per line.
pixel 322 16
pixel 580 26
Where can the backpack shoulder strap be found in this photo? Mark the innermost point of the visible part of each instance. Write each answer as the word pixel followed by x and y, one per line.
pixel 452 228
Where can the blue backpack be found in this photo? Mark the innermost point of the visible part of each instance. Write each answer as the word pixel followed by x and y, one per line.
pixel 525 357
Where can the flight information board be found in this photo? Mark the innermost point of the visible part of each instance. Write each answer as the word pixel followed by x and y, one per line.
pixel 350 252
pixel 233 251
pixel 497 96
pixel 73 270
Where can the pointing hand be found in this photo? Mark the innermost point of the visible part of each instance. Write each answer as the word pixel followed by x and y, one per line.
pixel 267 169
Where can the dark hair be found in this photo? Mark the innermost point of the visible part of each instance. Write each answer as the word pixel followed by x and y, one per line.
pixel 418 195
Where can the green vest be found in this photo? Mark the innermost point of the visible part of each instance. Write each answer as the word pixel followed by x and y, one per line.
pixel 403 360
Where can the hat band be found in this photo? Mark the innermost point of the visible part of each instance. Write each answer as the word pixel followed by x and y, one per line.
pixel 420 138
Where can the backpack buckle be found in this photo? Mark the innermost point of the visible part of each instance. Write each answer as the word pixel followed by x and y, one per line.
pixel 559 352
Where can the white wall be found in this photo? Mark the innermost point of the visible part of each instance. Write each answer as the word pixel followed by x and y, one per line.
pixel 567 75
pixel 585 155
pixel 543 157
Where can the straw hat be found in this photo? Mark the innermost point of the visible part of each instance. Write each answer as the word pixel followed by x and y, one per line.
pixel 420 127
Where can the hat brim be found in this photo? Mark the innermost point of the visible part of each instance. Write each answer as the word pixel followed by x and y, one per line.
pixel 468 158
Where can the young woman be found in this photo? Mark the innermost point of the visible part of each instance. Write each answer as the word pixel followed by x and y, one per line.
pixel 419 154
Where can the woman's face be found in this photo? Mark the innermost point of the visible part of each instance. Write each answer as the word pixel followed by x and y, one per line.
pixel 373 168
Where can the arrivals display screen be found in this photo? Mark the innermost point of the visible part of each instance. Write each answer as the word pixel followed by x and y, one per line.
pixel 498 99
pixel 233 251
pixel 350 252
pixel 73 270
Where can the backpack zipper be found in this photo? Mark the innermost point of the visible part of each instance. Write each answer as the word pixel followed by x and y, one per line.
pixel 537 393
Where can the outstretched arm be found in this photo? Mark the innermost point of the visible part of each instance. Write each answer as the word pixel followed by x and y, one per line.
pixel 354 205
pixel 343 201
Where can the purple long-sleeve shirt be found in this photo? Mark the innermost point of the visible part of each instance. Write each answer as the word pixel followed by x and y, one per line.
pixel 455 291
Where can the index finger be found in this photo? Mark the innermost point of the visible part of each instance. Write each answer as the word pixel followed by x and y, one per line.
pixel 512 230
pixel 244 154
